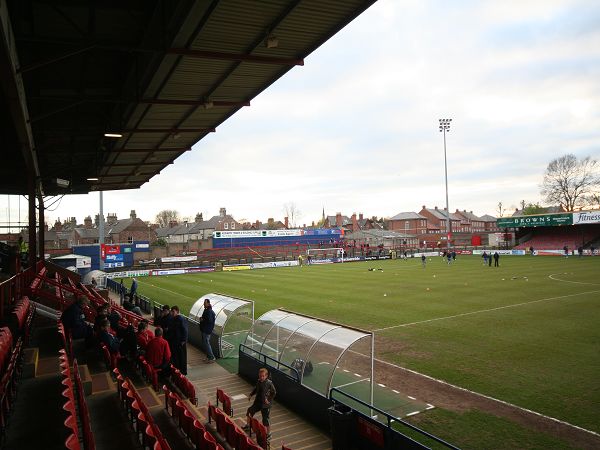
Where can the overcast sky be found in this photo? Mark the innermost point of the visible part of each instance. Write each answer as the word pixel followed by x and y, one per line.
pixel 356 128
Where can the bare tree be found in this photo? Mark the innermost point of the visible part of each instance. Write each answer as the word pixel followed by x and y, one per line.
pixel 167 216
pixel 570 182
pixel 292 212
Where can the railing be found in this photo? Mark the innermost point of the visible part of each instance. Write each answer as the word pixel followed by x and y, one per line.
pixel 388 417
pixel 14 288
pixel 276 363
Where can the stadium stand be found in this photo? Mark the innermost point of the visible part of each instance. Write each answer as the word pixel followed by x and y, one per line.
pixel 553 238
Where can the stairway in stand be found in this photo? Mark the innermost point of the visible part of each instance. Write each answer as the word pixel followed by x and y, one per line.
pixel 286 426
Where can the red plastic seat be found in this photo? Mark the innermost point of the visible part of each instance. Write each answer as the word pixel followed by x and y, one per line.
pixel 187 422
pixel 72 442
pixel 260 431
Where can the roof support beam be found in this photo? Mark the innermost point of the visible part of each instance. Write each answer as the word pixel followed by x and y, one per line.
pixel 189 53
pixel 150 150
pixel 168 130
pixel 149 101
pixel 235 57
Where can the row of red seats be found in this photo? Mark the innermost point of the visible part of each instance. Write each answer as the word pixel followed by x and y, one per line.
pixel 225 400
pixel 37 281
pixel 234 435
pixel 184 385
pixel 75 407
pixel 22 316
pixel 110 359
pixel 66 338
pixel 189 423
pixel 148 372
pixel 72 442
pixel 8 384
pixel 84 412
pixel 146 429
pixel 227 428
pixel 6 342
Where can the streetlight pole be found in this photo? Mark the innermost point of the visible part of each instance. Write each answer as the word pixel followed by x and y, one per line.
pixel 445 126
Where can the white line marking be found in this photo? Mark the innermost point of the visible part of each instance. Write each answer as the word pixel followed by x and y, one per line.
pixel 346 370
pixel 168 290
pixel 395 391
pixel 567 281
pixel 429 406
pixel 412 413
pixel 490 398
pixel 412 398
pixel 379 384
pixel 356 375
pixel 485 310
pixel 352 382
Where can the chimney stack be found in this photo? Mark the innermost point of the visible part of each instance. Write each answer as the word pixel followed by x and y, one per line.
pixel 354 222
pixel 286 222
pixel 338 219
pixel 360 216
pixel 87 222
pixel 132 214
pixel 222 212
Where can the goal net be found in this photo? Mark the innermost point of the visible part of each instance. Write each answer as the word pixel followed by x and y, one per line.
pixel 323 253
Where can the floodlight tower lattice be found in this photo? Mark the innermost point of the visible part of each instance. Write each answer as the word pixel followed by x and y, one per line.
pixel 445 127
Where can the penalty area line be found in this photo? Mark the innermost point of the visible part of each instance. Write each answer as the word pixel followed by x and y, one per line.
pixel 484 310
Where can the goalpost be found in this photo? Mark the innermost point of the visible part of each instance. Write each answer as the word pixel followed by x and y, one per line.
pixel 337 251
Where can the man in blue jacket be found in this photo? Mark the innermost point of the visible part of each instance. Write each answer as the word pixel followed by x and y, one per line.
pixel 73 318
pixel 207 325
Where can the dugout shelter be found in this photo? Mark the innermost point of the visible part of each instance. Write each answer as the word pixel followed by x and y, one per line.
pixel 233 321
pixel 340 357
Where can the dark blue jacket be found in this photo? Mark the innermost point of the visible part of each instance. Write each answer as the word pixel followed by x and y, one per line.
pixel 111 342
pixel 207 324
pixel 178 330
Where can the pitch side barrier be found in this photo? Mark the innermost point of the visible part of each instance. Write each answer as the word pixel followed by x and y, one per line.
pixel 354 430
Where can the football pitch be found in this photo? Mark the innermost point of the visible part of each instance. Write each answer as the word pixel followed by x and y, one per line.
pixel 526 333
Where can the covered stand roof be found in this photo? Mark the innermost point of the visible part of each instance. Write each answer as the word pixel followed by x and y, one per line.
pixel 162 75
pixel 334 351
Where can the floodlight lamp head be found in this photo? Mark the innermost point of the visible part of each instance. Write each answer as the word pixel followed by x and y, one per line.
pixel 62 183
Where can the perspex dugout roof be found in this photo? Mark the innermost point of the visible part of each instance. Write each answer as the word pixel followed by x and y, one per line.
pixel 233 320
pixel 334 351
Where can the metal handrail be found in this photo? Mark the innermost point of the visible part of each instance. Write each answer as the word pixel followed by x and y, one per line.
pixel 267 357
pixel 389 417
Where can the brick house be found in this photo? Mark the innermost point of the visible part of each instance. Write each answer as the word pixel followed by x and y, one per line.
pixel 438 219
pixel 408 222
pixel 470 222
pixel 490 224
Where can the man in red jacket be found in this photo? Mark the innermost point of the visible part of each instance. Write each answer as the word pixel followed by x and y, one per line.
pixel 158 353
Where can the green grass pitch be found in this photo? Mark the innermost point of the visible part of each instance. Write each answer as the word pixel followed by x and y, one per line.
pixel 527 332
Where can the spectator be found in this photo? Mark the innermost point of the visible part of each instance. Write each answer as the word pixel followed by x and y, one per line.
pixel 133 290
pixel 265 392
pixel 129 306
pixel 112 342
pixel 101 315
pixel 73 319
pixel 207 325
pixel 94 283
pixel 496 259
pixel 177 339
pixel 158 353
pixel 144 335
pixel 164 320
